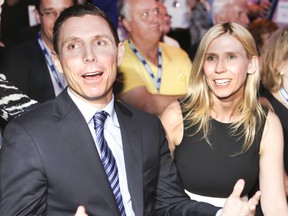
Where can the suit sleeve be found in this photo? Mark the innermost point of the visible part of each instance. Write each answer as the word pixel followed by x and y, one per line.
pixel 171 198
pixel 22 177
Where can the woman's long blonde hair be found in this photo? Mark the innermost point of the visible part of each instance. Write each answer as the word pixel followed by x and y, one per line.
pixel 197 104
pixel 274 56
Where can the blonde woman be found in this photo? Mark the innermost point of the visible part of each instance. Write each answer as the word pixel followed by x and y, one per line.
pixel 220 132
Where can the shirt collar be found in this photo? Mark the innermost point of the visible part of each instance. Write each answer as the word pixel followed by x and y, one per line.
pixel 88 110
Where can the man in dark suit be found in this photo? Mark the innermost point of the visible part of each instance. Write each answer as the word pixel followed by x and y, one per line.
pixel 51 161
pixel 29 65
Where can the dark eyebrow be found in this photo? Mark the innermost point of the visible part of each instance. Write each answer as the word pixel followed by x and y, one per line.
pixel 105 36
pixel 210 53
pixel 75 38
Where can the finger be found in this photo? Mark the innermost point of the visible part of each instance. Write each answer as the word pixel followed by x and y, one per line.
pixel 80 210
pixel 238 188
pixel 254 201
pixel 251 210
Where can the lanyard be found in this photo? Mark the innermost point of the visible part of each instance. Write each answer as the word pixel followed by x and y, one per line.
pixel 157 82
pixel 49 61
pixel 284 94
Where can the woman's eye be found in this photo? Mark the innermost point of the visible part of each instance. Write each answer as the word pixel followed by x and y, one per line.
pixel 210 58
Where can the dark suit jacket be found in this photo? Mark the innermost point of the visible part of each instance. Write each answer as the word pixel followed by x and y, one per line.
pixel 26 68
pixel 49 165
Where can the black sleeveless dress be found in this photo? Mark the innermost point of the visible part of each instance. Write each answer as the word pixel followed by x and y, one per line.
pixel 282 113
pixel 213 170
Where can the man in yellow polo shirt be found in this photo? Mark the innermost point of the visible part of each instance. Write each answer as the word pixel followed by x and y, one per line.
pixel 153 74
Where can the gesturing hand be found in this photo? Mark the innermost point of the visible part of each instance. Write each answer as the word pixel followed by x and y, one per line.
pixel 235 206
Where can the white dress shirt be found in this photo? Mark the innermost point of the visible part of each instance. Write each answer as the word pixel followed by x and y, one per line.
pixel 112 134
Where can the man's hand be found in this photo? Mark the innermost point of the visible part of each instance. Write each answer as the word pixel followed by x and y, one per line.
pixel 235 206
pixel 81 211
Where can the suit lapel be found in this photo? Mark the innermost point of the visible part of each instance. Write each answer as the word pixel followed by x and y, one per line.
pixel 40 73
pixel 130 132
pixel 81 143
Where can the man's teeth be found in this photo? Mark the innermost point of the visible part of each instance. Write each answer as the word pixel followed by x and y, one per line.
pixel 222 81
pixel 92 74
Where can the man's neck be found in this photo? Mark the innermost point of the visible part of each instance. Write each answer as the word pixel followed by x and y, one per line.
pixel 47 42
pixel 148 50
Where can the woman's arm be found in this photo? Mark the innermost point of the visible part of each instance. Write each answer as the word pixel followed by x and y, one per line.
pixel 273 198
pixel 172 121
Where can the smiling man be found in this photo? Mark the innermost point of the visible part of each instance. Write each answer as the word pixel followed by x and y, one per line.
pixel 85 148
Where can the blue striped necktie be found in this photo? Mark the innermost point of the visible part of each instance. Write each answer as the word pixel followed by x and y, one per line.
pixel 108 160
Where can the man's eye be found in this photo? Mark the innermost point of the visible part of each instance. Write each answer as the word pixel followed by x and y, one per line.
pixel 231 57
pixel 50 14
pixel 156 11
pixel 100 43
pixel 145 14
pixel 73 46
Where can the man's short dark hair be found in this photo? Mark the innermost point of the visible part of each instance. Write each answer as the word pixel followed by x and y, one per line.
pixel 80 11
pixel 37 4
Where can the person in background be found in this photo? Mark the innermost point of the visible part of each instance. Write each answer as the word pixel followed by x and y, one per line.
pixel 180 12
pixel 2 45
pixel 261 30
pixel 56 152
pixel 15 22
pixel 225 11
pixel 220 132
pixel 12 101
pixel 275 10
pixel 230 11
pixel 35 74
pixel 152 74
pixel 200 19
pixel 259 9
pixel 2 76
pixel 165 26
pixel 274 79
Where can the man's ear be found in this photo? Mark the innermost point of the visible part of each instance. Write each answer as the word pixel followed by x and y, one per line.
pixel 253 65
pixel 125 24
pixel 56 62
pixel 37 16
pixel 120 54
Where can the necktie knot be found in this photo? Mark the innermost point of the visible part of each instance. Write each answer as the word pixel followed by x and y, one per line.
pixel 99 119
